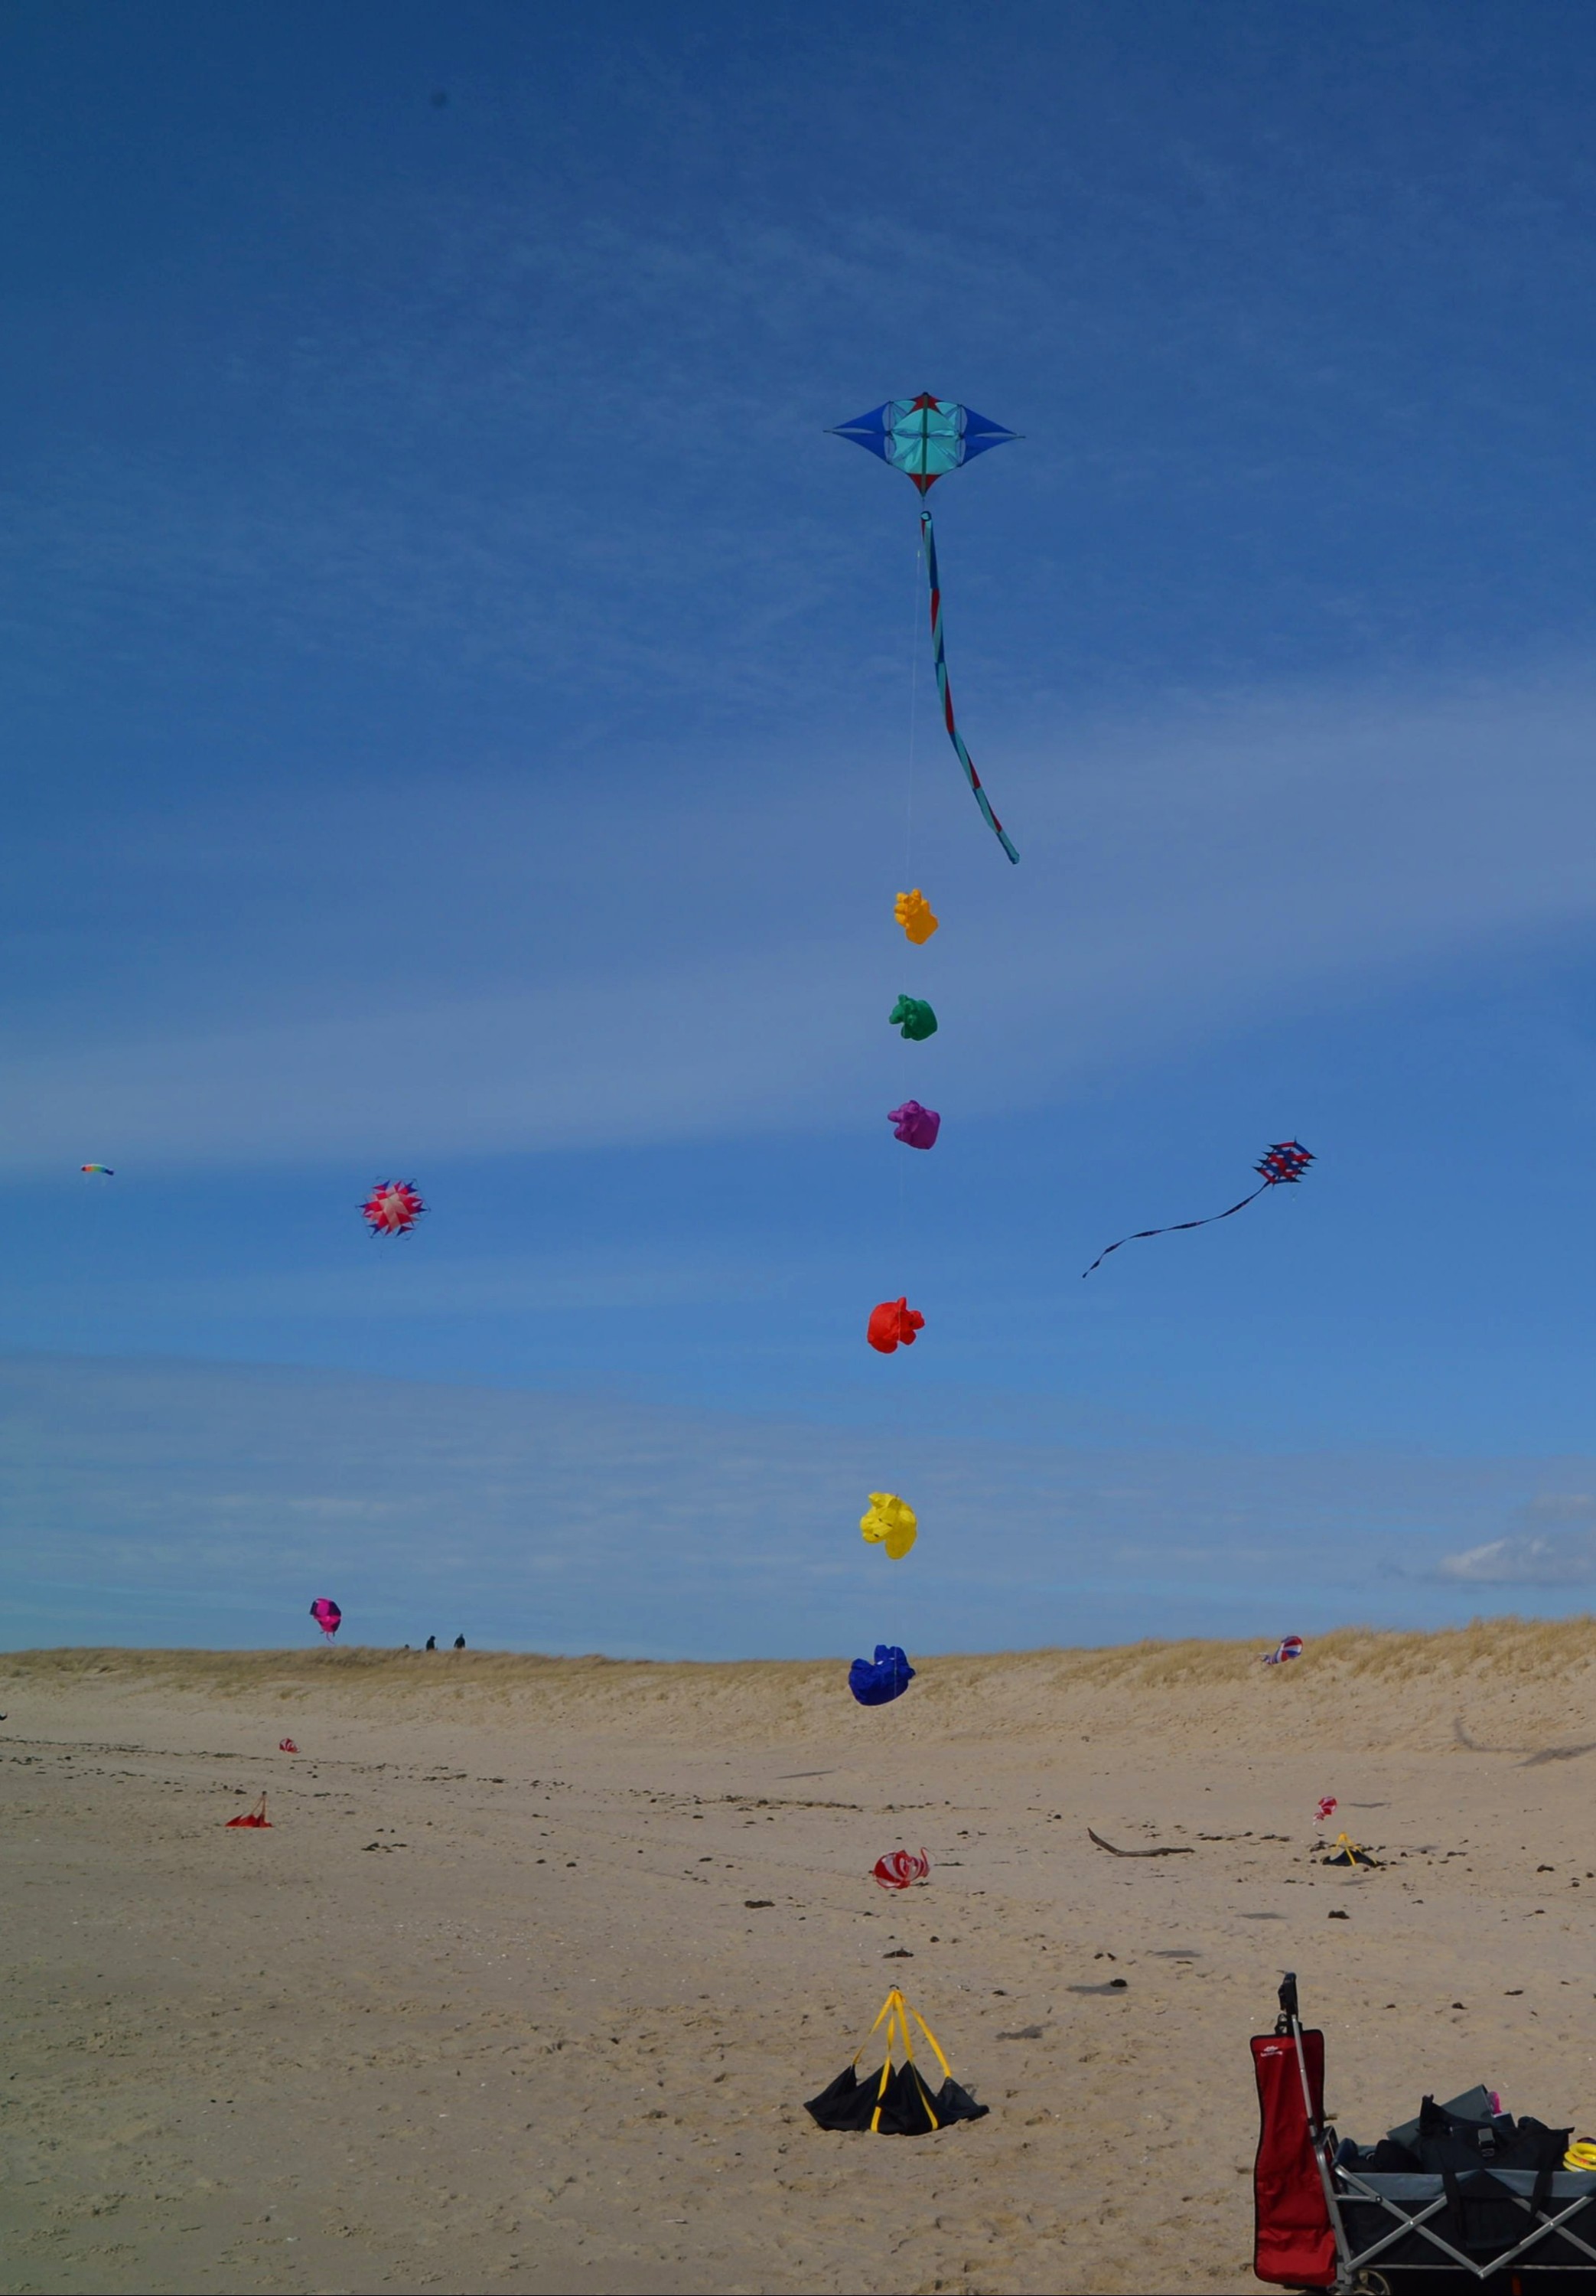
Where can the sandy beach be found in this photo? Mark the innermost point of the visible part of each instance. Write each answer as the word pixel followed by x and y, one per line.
pixel 526 1984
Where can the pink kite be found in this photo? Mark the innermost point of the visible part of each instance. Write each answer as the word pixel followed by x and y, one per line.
pixel 393 1208
pixel 327 1616
pixel 287 1746
pixel 915 1125
pixel 900 1867
pixel 1325 1809
pixel 892 1325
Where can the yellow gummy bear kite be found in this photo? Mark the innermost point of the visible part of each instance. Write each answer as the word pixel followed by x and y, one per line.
pixel 914 912
pixel 891 1523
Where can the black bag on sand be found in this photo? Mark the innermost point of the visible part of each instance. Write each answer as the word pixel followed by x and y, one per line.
pixel 896 2101
pixel 908 2107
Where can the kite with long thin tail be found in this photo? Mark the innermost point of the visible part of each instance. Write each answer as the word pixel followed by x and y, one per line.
pixel 1282 1164
pixel 926 437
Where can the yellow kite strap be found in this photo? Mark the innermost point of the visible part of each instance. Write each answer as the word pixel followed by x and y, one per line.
pixel 889 2010
pixel 895 2014
pixel 894 1999
pixel 1581 2154
pixel 875 2118
pixel 947 2070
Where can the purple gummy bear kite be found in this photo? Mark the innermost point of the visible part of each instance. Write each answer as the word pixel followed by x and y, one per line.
pixel 915 1125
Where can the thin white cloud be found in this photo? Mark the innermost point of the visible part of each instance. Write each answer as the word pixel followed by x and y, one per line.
pixel 1542 1553
pixel 146 1500
pixel 1182 878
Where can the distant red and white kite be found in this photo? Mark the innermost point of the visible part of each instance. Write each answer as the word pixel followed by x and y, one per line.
pixel 393 1208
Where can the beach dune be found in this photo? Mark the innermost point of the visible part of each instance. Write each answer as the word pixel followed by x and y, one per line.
pixel 525 1983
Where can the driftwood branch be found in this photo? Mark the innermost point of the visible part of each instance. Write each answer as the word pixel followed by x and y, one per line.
pixel 1184 1850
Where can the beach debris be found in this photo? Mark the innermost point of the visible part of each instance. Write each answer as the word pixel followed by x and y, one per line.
pixel 1113 1985
pixel 914 1126
pixel 1326 1809
pixel 1281 1165
pixel 897 2102
pixel 878 1682
pixel 900 1869
pixel 1024 2033
pixel 1183 1849
pixel 256 1815
pixel 893 1324
pixel 1348 1852
pixel 327 1615
pixel 925 438
pixel 1339 1914
pixel 756 1904
pixel 393 1208
pixel 287 1746
pixel 1290 1646
pixel 104 1170
pixel 914 912
pixel 890 1523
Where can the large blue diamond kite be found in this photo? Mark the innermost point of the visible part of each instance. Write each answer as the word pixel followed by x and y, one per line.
pixel 925 438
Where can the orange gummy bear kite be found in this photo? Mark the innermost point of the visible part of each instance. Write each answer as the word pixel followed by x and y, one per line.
pixel 914 912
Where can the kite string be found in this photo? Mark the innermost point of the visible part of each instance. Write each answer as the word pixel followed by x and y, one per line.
pixel 916 610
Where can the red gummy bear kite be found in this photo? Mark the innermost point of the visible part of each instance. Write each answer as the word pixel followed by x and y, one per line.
pixel 893 1324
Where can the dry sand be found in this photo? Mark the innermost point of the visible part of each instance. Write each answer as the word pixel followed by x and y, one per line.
pixel 488 2007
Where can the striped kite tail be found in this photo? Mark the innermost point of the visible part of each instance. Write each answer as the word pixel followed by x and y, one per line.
pixel 965 759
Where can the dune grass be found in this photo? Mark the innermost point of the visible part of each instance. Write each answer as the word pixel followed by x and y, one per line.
pixel 1538 1650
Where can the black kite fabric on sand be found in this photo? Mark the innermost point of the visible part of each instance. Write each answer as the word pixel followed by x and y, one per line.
pixel 908 2107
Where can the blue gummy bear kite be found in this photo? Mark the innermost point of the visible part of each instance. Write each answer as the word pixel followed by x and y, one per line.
pixel 878 1683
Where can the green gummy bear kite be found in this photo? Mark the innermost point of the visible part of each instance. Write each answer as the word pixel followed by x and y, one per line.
pixel 914 1017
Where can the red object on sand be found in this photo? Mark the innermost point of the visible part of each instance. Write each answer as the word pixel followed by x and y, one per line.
pixel 900 1867
pixel 256 1816
pixel 1327 1808
pixel 287 1746
pixel 1294 2246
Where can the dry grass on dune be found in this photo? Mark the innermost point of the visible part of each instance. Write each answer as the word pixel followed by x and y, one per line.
pixel 1514 1674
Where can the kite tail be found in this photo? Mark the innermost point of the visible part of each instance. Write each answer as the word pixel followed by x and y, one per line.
pixel 965 759
pixel 1175 1227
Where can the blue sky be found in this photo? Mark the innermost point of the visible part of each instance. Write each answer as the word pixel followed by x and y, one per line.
pixel 462 717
